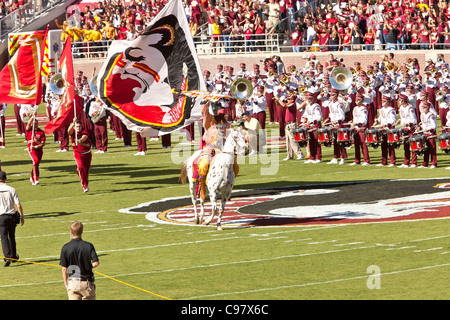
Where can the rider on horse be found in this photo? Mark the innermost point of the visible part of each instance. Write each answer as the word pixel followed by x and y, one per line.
pixel 216 128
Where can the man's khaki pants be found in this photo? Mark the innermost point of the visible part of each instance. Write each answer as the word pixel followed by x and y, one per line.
pixel 81 290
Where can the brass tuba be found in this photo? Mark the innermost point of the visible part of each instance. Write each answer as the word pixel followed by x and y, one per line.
pixel 57 84
pixel 341 78
pixel 241 89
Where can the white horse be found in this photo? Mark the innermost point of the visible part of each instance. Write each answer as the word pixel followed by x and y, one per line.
pixel 220 178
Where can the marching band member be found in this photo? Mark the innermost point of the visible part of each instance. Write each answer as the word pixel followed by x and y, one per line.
pixel 208 82
pixel 408 122
pixel 271 82
pixel 259 103
pixel 292 147
pixel 312 118
pixel 280 94
pixel 442 100
pixel 389 90
pixel 97 113
pixel 36 142
pixel 360 120
pixel 429 126
pixel 387 119
pixel 243 73
pixel 81 145
pixel 337 118
pixel 431 84
pixel 220 74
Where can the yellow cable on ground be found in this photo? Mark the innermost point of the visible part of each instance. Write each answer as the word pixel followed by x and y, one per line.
pixel 104 275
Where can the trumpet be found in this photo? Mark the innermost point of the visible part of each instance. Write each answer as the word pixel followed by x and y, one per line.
pixel 390 67
pixel 353 71
pixel 440 59
pixel 410 60
pixel 302 89
pixel 366 84
pixel 439 94
pixel 433 70
pixel 358 68
pixel 293 69
pixel 370 72
pixel 407 70
pixel 272 74
pixel 416 80
pixel 444 71
pixel 284 79
pixel 306 79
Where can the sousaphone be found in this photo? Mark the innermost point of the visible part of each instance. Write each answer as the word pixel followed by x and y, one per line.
pixel 341 78
pixel 57 84
pixel 241 89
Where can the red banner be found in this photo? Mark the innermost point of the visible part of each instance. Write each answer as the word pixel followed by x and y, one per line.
pixel 20 79
pixel 69 101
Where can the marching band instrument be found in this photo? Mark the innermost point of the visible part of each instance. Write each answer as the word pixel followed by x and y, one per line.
pixel 373 137
pixel 57 84
pixel 341 78
pixel 417 144
pixel 439 94
pixel 241 89
pixel 345 136
pixel 96 111
pixel 444 142
pixel 324 136
pixel 416 80
pixel 369 72
pixel 394 137
pixel 440 59
pixel 410 60
pixel 292 70
pixel 301 136
pixel 390 67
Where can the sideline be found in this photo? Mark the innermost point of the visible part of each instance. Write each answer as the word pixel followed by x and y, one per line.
pixel 101 274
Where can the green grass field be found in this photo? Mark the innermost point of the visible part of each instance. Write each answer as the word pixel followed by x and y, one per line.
pixel 161 261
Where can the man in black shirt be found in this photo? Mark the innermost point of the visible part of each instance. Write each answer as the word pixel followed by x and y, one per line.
pixel 78 258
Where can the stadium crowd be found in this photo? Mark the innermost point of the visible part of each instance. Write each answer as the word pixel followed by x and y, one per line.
pixel 310 25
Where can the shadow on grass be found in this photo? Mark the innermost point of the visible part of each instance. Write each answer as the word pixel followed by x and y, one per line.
pixel 49 215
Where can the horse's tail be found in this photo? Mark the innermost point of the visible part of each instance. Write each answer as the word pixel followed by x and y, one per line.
pixel 183 174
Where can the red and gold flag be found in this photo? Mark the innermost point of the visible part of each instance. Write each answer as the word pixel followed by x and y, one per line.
pixel 20 79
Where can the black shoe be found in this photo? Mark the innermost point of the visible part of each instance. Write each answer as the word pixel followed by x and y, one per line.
pixel 7 263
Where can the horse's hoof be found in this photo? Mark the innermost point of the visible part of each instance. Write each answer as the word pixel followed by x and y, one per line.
pixel 196 221
pixel 205 223
pixel 219 228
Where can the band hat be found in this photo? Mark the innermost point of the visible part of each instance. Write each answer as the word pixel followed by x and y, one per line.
pixel 402 97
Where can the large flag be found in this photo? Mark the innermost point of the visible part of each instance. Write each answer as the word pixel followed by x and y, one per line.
pixel 20 79
pixel 69 102
pixel 142 81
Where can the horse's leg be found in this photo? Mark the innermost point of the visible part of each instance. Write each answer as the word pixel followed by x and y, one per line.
pixel 202 210
pixel 213 209
pixel 222 209
pixel 194 201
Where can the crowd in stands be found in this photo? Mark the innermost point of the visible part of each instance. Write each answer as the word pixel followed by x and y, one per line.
pixel 336 25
